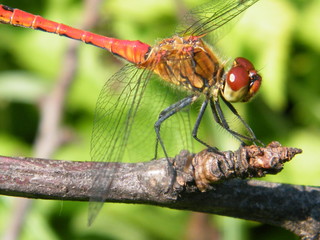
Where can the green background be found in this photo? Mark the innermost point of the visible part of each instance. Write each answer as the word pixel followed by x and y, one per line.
pixel 281 37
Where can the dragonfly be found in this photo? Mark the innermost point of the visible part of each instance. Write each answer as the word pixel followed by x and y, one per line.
pixel 184 60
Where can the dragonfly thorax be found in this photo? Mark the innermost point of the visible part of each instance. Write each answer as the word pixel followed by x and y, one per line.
pixel 186 62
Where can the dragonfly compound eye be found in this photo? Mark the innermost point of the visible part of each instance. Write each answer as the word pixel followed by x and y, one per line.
pixel 242 81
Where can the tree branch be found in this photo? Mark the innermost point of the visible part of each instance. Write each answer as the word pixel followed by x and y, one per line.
pixel 292 207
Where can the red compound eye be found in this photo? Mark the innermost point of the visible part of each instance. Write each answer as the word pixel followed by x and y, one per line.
pixel 242 81
pixel 243 62
pixel 237 78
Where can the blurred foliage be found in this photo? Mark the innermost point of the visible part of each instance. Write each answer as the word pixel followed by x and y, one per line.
pixel 280 37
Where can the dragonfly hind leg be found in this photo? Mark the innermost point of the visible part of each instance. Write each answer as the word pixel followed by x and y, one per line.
pixel 196 128
pixel 165 114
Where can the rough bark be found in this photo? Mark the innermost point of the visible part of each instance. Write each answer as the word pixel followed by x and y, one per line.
pixel 206 182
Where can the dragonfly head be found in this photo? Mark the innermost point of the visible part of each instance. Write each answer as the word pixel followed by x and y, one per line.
pixel 242 81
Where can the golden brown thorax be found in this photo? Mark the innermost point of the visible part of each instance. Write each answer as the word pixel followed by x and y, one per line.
pixel 185 61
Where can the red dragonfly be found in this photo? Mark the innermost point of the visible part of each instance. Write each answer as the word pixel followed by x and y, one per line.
pixel 183 60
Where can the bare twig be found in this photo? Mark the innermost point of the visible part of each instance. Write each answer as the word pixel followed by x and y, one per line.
pixel 290 206
pixel 248 162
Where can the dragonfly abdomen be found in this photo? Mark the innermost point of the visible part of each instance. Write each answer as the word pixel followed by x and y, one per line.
pixel 133 51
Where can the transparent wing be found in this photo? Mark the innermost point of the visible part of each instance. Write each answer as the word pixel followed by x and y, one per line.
pixel 115 111
pixel 127 108
pixel 211 16
pixel 116 108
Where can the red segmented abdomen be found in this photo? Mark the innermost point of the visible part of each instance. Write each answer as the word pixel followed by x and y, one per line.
pixel 133 51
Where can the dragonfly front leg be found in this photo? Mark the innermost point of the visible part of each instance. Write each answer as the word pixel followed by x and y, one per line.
pixel 220 119
pixel 165 114
pixel 253 137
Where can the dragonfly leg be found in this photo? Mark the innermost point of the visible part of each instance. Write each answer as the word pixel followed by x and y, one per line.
pixel 248 128
pixel 220 119
pixel 197 124
pixel 165 114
